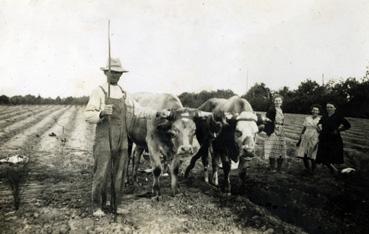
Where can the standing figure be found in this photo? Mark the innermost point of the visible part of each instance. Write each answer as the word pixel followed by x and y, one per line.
pixel 275 143
pixel 330 147
pixel 110 161
pixel 308 142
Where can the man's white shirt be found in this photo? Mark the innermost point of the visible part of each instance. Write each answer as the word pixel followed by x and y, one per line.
pixel 96 104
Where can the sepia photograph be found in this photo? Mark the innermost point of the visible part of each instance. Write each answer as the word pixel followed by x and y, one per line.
pixel 184 116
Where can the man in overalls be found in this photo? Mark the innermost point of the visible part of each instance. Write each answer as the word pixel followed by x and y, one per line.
pixel 98 109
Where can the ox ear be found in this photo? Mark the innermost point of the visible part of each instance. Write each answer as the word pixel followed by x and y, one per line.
pixel 228 115
pixel 215 127
pixel 231 118
pixel 163 120
pixel 214 123
pixel 164 125
pixel 261 120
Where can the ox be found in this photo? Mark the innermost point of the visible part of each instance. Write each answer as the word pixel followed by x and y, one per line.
pixel 170 137
pixel 236 140
pixel 155 102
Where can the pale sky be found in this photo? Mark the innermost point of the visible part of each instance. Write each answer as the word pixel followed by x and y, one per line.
pixel 56 48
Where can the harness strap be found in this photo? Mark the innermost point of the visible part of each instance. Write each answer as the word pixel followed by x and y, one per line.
pixel 103 90
pixel 124 93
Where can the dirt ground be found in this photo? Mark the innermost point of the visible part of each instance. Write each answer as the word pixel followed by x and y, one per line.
pixel 56 184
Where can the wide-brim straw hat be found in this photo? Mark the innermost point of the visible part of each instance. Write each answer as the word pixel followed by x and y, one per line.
pixel 115 65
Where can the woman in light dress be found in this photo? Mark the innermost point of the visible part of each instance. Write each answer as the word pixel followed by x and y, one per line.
pixel 275 143
pixel 308 143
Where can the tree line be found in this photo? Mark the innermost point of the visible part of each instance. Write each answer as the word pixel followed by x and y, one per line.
pixel 38 100
pixel 350 96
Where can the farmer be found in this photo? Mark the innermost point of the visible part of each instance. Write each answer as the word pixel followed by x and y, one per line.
pixel 275 143
pixel 330 147
pixel 116 106
pixel 308 142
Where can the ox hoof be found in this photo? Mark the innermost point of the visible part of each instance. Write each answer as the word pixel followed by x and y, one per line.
pixel 156 198
pixel 176 192
pixel 215 183
pixel 122 211
pixel 98 213
pixel 242 189
pixel 131 181
pixel 225 195
pixel 137 185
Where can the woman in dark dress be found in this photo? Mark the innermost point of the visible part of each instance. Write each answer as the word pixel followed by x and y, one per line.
pixel 330 148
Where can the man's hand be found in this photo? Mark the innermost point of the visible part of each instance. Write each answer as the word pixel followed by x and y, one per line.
pixel 108 110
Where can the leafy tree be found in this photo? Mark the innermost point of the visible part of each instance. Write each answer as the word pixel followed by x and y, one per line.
pixel 4 100
pixel 16 100
pixel 307 93
pixel 259 97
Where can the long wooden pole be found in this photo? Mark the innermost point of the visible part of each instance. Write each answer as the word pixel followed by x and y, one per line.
pixel 112 184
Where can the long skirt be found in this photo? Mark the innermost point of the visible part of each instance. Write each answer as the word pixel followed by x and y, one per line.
pixel 309 144
pixel 275 144
pixel 330 149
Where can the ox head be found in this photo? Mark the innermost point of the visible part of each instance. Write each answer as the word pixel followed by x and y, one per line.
pixel 243 128
pixel 178 128
pixel 208 126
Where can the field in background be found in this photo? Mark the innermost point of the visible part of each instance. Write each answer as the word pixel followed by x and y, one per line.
pixel 55 192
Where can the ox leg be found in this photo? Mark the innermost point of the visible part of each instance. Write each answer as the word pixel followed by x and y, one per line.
pixel 136 162
pixel 192 164
pixel 156 187
pixel 127 176
pixel 226 169
pixel 205 163
pixel 215 166
pixel 242 167
pixel 156 165
pixel 104 194
pixel 173 169
pixel 199 154
pixel 156 172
